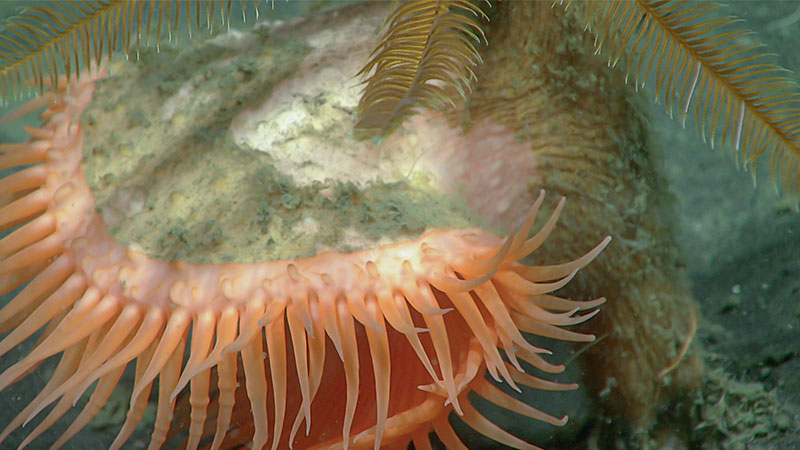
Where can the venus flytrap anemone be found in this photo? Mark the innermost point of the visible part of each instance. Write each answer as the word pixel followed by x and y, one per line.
pixel 378 346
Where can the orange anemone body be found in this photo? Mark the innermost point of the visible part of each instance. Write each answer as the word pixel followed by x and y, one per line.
pixel 370 348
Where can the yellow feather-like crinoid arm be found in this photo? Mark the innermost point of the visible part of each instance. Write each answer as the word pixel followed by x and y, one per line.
pixel 45 41
pixel 697 62
pixel 424 60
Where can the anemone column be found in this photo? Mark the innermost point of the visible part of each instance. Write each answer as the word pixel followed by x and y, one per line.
pixel 587 133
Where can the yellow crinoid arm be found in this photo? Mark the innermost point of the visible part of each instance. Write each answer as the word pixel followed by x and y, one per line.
pixel 697 62
pixel 44 41
pixel 424 61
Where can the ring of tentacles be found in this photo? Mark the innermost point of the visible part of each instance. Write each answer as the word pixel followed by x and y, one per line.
pixel 377 346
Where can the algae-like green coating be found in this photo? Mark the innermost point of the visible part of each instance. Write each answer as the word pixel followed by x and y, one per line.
pixel 170 180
